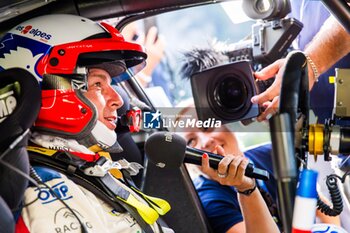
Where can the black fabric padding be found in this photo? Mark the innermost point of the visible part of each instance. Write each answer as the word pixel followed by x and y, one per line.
pixel 22 118
pixel 131 153
pixel 130 150
pixel 12 184
pixel 7 223
pixel 166 148
pixel 28 105
pixel 175 186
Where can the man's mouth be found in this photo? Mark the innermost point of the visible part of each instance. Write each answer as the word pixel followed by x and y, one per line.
pixel 112 119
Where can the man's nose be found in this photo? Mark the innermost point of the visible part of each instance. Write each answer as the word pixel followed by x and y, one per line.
pixel 116 101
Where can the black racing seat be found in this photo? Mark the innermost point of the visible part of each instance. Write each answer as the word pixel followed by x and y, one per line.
pixel 175 186
pixel 19 106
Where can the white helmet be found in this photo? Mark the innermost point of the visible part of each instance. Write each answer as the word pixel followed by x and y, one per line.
pixel 56 49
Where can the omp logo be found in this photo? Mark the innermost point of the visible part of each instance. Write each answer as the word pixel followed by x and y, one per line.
pixel 7 104
pixel 152 120
pixel 35 32
pixel 60 189
pixel 65 221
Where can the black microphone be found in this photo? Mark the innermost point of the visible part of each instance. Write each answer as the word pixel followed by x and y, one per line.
pixel 169 150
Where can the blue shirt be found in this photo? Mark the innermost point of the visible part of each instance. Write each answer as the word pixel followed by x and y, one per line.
pixel 220 202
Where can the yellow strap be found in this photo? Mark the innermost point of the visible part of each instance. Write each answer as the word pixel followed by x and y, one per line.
pixel 105 154
pixel 160 205
pixel 95 148
pixel 148 214
pixel 50 152
pixel 41 150
pixel 116 173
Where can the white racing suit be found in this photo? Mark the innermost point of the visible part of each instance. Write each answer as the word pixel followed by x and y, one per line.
pixel 43 212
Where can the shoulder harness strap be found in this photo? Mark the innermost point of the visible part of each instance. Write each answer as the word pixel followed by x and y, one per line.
pixel 103 187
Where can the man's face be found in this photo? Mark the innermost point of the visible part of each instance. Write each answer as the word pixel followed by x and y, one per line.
pixel 103 96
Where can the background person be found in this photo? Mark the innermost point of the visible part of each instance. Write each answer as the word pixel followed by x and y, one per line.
pixel 197 60
pixel 156 74
pixel 327 46
pixel 227 210
pixel 326 43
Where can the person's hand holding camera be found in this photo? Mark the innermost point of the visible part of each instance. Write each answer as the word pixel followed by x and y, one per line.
pixel 269 99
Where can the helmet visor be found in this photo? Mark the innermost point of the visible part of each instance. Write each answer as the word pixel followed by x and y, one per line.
pixel 114 68
pixel 128 73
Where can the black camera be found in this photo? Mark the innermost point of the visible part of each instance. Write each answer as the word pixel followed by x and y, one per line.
pixel 224 92
pixel 272 34
pixel 270 41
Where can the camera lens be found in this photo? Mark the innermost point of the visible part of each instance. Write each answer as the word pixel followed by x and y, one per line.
pixel 231 93
pixel 263 5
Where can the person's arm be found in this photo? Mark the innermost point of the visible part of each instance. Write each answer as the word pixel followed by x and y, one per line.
pixel 231 169
pixel 325 218
pixel 155 46
pixel 329 45
pixel 256 215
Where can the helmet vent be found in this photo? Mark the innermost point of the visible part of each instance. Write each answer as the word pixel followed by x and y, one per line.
pixel 54 82
pixel 54 61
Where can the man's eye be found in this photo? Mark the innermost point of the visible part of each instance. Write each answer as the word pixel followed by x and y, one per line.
pixel 97 84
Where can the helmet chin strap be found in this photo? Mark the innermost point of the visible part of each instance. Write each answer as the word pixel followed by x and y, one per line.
pixel 58 143
pixel 105 141
pixel 102 138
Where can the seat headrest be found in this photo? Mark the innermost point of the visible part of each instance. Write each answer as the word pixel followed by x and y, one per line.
pixel 7 222
pixel 20 100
